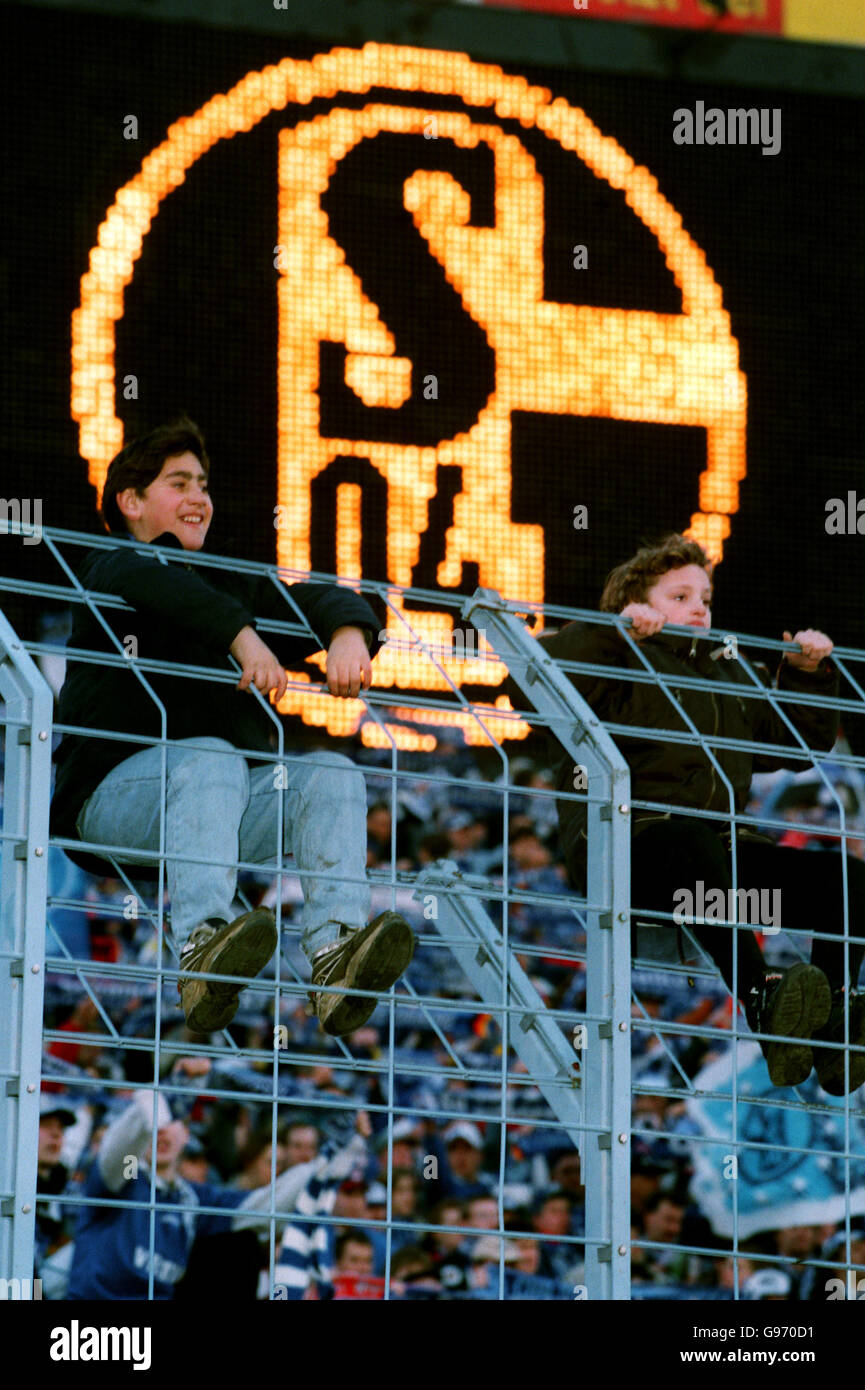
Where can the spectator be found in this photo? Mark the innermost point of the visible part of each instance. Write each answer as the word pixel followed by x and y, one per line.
pixel 376 1200
pixel 435 845
pixel 844 1282
pixel 671 582
pixel 730 1272
pixel 528 1258
pixel 378 827
pixel 404 1204
pixel 483 1213
pixel 378 832
pixel 353 1253
pixel 256 1159
pixel 566 1175
pixel 663 1215
pixel 312 1252
pixel 797 1244
pixel 220 808
pixel 462 1163
pixel 447 1249
pixel 412 1272
pixel 405 1147
pixel 646 1174
pixel 194 1165
pixel 551 1218
pixel 528 852
pixel 300 1142
pixel 486 1256
pixel 113 1258
pixel 466 835
pixel 51 1177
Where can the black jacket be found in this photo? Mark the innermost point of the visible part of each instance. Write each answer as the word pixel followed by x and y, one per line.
pixel 182 614
pixel 679 774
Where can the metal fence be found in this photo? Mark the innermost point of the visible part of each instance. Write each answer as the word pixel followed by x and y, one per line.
pixel 467 1036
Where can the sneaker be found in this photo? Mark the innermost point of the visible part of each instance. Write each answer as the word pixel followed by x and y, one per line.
pixel 830 1061
pixel 242 947
pixel 792 1005
pixel 371 957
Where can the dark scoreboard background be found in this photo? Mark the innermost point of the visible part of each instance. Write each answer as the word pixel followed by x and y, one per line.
pixel 783 236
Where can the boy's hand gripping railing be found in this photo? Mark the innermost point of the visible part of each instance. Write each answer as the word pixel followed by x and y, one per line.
pixel 607 1059
pixel 23 884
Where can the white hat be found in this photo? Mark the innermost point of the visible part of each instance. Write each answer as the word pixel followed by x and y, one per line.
pixel 464 1129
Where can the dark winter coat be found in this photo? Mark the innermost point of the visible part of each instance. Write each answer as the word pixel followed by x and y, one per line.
pixel 182 614
pixel 679 775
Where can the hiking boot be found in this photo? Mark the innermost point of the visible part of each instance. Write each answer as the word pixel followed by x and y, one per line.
pixel 792 1005
pixel 371 957
pixel 830 1061
pixel 242 947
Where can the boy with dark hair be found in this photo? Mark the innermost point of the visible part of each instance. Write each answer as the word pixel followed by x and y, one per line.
pixel 671 582
pixel 219 805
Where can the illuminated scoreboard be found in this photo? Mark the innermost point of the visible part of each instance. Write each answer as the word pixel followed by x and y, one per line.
pixel 448 323
pixel 549 357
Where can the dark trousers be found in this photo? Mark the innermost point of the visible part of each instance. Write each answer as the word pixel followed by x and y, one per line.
pixel 675 854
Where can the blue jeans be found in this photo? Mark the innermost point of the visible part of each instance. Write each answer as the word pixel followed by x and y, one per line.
pixel 220 810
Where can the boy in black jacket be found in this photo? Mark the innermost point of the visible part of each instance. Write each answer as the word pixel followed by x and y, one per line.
pixel 672 852
pixel 219 806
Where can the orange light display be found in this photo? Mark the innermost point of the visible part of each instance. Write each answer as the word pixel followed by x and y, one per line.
pixel 552 358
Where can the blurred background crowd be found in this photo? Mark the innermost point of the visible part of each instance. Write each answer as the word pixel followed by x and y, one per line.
pixel 443 1158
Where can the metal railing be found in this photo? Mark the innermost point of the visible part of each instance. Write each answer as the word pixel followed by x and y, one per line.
pixel 576 1055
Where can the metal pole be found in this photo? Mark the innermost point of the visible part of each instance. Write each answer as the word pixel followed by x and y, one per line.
pixel 24 886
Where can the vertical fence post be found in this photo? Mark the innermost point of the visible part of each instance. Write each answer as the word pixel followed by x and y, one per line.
pixel 24 889
pixel 607 1068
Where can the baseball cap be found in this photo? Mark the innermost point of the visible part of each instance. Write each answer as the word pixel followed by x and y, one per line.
pixel 516 1195
pixel 403 1129
pixel 53 1105
pixel 464 1129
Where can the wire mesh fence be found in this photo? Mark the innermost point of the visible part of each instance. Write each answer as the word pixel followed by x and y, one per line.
pixel 526 1113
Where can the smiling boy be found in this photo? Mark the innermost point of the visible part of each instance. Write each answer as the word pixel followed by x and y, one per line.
pixel 671 851
pixel 220 807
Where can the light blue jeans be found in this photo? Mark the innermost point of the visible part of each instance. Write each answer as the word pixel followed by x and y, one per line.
pixel 221 810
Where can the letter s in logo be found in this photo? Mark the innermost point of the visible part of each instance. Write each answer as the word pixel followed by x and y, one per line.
pixel 476 200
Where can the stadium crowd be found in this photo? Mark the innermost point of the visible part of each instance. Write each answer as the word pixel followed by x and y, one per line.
pixel 326 1158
